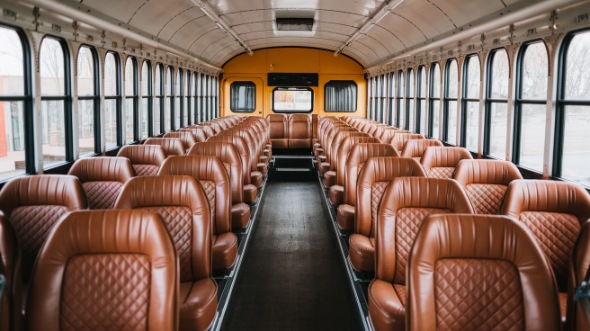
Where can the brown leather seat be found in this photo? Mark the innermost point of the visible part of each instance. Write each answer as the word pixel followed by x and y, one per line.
pixel 314 129
pixel 440 162
pixel 386 135
pixel 33 205
pixel 123 276
pixel 476 272
pixel 171 146
pixel 330 175
pixel 336 194
pixel 578 312
pixel 183 206
pixel 377 173
pixel 359 154
pixel 250 191
pixel 406 203
pixel 213 178
pixel 10 303
pixel 415 147
pixel 228 155
pixel 300 131
pixel 485 182
pixel 256 175
pixel 400 139
pixel 207 130
pixel 198 133
pixel 187 138
pixel 102 179
pixel 279 130
pixel 324 160
pixel 145 159
pixel 554 212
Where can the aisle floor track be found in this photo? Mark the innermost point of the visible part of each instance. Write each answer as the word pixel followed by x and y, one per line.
pixel 292 277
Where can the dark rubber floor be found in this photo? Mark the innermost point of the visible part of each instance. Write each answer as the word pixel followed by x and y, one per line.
pixel 292 276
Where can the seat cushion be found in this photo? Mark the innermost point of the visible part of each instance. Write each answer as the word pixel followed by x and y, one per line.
pixel 225 250
pixel 336 194
pixel 362 252
pixel 387 309
pixel 256 178
pixel 329 178
pixel 250 192
pixel 240 215
pixel 198 304
pixel 345 217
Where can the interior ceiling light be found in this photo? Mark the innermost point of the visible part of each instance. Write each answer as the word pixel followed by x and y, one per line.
pixel 294 24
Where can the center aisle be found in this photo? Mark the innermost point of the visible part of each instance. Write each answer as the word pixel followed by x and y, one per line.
pixel 292 276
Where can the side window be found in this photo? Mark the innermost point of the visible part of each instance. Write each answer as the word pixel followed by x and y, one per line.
pixel 112 99
pixel 391 99
pixel 470 105
pixel 292 100
pixel 497 104
pixel 159 100
pixel 410 100
pixel 130 99
pixel 451 86
pixel 54 100
pixel 531 106
pixel 242 97
pixel 340 96
pixel 88 99
pixel 169 100
pixel 177 100
pixel 146 99
pixel 400 118
pixel 573 111
pixel 434 107
pixel 421 101
pixel 15 100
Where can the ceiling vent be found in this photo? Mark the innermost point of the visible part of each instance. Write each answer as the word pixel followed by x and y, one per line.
pixel 294 24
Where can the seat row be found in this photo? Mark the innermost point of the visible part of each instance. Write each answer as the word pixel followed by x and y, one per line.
pixel 393 196
pixel 197 196
pixel 292 131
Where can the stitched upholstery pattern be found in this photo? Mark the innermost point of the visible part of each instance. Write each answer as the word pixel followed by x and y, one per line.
pixel 556 233
pixel 146 169
pixel 493 301
pixel 178 223
pixel 105 292
pixel 441 172
pixel 486 198
pixel 376 195
pixel 408 222
pixel 32 224
pixel 101 195
pixel 209 189
pixel 400 290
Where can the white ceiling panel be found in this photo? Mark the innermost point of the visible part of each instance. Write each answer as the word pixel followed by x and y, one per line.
pixel 362 29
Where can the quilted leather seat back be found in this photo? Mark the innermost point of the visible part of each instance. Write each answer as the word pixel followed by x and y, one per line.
pixel 372 181
pixel 171 146
pixel 406 203
pixel 145 159
pixel 554 212
pixel 415 147
pixel 129 259
pixel 344 151
pixel 33 205
pixel 578 313
pixel 213 178
pixel 400 139
pixel 183 206
pixel 228 155
pixel 187 138
pixel 440 162
pixel 485 182
pixel 102 179
pixel 476 272
pixel 359 154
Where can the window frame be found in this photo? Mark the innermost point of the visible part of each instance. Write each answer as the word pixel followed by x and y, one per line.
pixel 465 100
pixel 135 98
pixel 447 100
pixel 289 89
pixel 149 97
pixel 341 81
pixel 400 98
pixel 409 99
pixel 95 98
pixel 231 91
pixel 421 98
pixel 431 99
pixel 489 101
